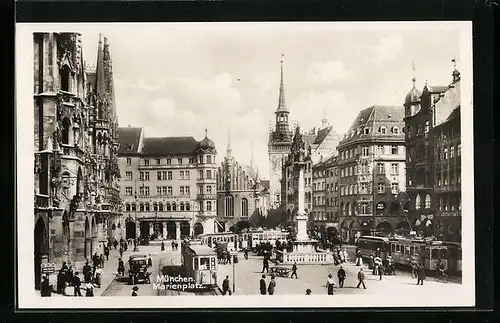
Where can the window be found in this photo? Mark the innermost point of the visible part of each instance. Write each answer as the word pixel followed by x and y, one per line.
pixel 394 149
pixel 365 151
pixel 174 206
pixel 191 160
pixel 200 159
pixel 452 151
pixel 364 208
pixel 426 127
pixel 394 188
pixel 438 179
pixel 144 176
pixel 133 207
pixel 146 162
pixel 158 190
pixel 141 191
pixel 146 190
pixel 169 175
pixel 200 174
pixel 383 130
pixel 141 207
pixel 187 190
pixel 427 201
pixel 187 174
pixel 367 131
pixel 362 187
pixel 163 190
pixel 169 161
pixel 187 206
pixel 181 206
pixel 459 175
pixel 164 175
pixel 181 190
pixel 209 159
pixel 158 161
pixel 380 149
pixel 128 176
pixel 128 191
pixel 209 205
pixel 381 168
pixel 452 177
pixel 458 149
pixel 209 189
pixel 418 203
pixel 445 153
pixel 350 171
pixel 395 130
pixel 127 207
pixel 394 168
pixel 146 206
pixel 244 207
pixel 336 187
pixel 209 174
pixel 445 178
pixel 182 174
pixel 380 188
pixel 129 161
pixel 169 190
pixel 179 161
pixel 158 175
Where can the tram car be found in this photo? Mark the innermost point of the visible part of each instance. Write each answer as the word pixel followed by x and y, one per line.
pixel 268 236
pixel 427 253
pixel 199 262
pixel 212 239
pixel 454 257
pixel 368 245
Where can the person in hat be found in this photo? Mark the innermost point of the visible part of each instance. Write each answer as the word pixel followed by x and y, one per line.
pixel 263 285
pixel 341 275
pixel 150 261
pixel 329 284
pixel 45 288
pixel 89 289
pixel 225 286
pixel 272 286
pixel 134 290
pixel 308 291
pixel 361 278
pixel 121 267
pixel 98 276
pixel 76 284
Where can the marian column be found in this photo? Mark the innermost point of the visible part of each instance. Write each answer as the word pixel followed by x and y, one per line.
pixel 301 213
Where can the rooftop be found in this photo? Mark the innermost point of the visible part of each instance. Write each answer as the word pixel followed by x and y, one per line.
pixel 170 146
pixel 129 140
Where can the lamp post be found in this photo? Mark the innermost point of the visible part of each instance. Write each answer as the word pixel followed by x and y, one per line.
pixel 234 271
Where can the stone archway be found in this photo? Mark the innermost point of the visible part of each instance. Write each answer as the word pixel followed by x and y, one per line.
pixel 184 228
pixel 355 231
pixel 171 230
pixel 40 248
pixel 130 230
pixel 384 227
pixel 198 229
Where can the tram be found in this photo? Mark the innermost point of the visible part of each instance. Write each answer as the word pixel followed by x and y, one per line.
pixel 199 262
pixel 211 240
pixel 368 245
pixel 454 256
pixel 267 236
pixel 427 253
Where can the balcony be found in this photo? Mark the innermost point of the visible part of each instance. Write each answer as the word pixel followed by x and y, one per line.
pixel 206 180
pixel 207 213
pixel 450 213
pixel 42 201
pixel 206 196
pixel 448 188
pixel 73 151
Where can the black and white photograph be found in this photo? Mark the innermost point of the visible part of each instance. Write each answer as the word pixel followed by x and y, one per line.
pixel 218 164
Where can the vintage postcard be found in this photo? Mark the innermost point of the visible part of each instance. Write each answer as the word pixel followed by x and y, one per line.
pixel 213 165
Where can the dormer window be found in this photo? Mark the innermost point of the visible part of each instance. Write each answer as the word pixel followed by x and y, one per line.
pixel 383 130
pixel 130 147
pixel 367 131
pixel 395 130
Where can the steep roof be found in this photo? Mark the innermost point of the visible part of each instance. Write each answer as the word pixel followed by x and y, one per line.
pixel 437 88
pixel 265 183
pixel 169 146
pixel 129 138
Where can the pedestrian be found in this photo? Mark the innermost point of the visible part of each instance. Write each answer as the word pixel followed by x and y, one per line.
pixel 77 283
pixel 272 286
pixel 330 284
pixel 263 285
pixel 87 271
pixel 361 278
pixel 106 252
pixel 341 275
pixel 121 252
pixel 346 256
pixel 308 291
pixel 134 290
pixel 45 288
pixel 371 262
pixel 61 282
pixel 380 271
pixel 294 270
pixel 420 275
pixel 265 265
pixel 95 260
pixel 115 244
pixel 173 245
pixel 98 276
pixel 69 276
pixel 162 246
pixel 89 289
pixel 150 261
pixel 101 260
pixel 414 268
pixel 64 266
pixel 121 267
pixel 225 286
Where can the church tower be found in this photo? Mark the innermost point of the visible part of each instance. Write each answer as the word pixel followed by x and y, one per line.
pixel 280 141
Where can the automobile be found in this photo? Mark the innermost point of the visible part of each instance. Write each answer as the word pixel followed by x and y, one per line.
pixel 139 270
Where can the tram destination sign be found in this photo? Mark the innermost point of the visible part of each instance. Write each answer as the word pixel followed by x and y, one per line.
pixel 48 268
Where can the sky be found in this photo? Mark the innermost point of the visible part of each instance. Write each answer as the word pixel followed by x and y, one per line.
pixel 180 79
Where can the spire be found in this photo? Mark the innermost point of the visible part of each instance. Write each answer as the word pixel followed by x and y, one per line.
pixel 324 121
pixel 100 82
pixel 414 79
pixel 281 100
pixel 257 179
pixel 456 73
pixel 206 133
pixel 251 155
pixel 229 150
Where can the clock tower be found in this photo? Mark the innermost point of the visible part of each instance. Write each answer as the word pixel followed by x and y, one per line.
pixel 280 141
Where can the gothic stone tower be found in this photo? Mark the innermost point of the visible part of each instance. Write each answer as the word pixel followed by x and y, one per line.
pixel 280 141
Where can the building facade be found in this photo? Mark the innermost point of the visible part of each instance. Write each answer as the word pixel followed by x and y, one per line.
pixel 280 141
pixel 432 135
pixel 76 170
pixel 242 199
pixel 371 167
pixel 168 185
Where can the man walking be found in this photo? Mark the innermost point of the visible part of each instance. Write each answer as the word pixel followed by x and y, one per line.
pixel 77 283
pixel 150 261
pixel 294 270
pixel 225 286
pixel 263 285
pixel 330 284
pixel 341 275
pixel 87 271
pixel 361 278
pixel 420 275
pixel 265 265
pixel 272 286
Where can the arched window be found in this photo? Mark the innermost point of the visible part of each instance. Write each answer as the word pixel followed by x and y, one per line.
pixel 348 209
pixel 427 201
pixel 229 207
pixel 187 206
pixel 395 130
pixel 127 207
pixel 147 207
pixel 383 130
pixel 244 207
pixel 160 207
pixel 174 206
pixel 141 207
pixel 66 129
pixel 181 206
pixel 155 206
pixel 134 207
pixel 65 77
pixel 168 207
pixel 418 203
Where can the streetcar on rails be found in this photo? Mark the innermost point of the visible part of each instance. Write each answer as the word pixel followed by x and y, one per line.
pixel 454 256
pixel 258 238
pixel 427 253
pixel 212 239
pixel 199 261
pixel 368 245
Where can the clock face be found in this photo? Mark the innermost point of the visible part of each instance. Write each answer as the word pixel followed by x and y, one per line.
pixel 279 163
